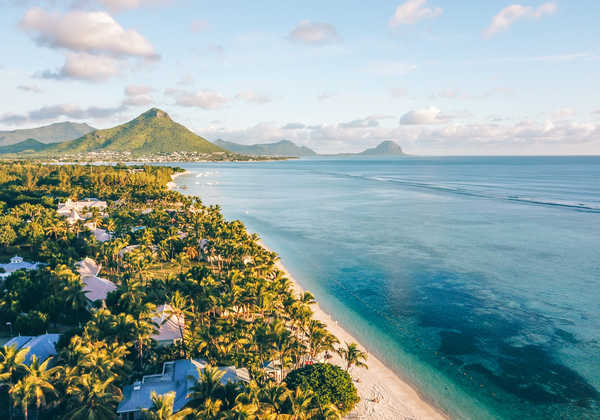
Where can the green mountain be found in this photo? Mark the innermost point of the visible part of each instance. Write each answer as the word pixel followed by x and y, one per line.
pixel 280 148
pixel 29 145
pixel 386 148
pixel 53 133
pixel 152 132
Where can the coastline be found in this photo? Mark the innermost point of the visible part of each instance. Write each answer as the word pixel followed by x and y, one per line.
pixel 171 184
pixel 397 399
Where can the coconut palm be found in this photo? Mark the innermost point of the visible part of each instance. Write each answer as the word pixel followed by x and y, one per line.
pixel 92 398
pixel 209 386
pixel 33 387
pixel 301 404
pixel 11 359
pixel 353 356
pixel 162 408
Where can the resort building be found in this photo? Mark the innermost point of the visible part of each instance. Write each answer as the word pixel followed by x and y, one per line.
pixel 178 376
pixel 16 263
pixel 170 327
pixel 42 346
pixel 95 288
pixel 66 208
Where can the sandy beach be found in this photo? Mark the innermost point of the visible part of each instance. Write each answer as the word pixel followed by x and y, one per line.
pixel 396 399
pixel 172 184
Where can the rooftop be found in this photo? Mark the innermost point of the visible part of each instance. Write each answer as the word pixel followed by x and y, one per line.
pixel 178 376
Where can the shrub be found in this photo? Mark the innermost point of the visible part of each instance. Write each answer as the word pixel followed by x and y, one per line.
pixel 32 323
pixel 331 385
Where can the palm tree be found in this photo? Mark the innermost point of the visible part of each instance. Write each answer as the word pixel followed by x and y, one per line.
pixel 34 386
pixel 301 404
pixel 162 408
pixel 92 399
pixel 208 386
pixel 11 359
pixel 353 356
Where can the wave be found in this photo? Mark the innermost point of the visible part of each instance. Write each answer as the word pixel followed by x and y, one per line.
pixel 462 190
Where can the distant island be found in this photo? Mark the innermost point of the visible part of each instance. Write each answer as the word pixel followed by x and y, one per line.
pixel 280 148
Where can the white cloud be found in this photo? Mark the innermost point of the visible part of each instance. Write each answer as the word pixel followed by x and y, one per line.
pixel 294 126
pixel 54 112
pixel 563 113
pixel 430 115
pixel 398 92
pixel 30 88
pixel 117 5
pixel 412 11
pixel 314 33
pixel 515 12
pixel 253 97
pixel 138 95
pixel 84 66
pixel 135 90
pixel 205 99
pixel 90 32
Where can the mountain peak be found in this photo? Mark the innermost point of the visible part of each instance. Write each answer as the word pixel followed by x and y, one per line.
pixel 155 113
pixel 387 147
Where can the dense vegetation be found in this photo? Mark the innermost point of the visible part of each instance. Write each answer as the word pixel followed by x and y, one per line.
pixel 239 308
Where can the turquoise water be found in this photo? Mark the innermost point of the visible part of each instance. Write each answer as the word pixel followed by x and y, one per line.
pixel 477 279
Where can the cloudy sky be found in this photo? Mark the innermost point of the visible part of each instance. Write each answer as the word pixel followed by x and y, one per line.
pixel 437 76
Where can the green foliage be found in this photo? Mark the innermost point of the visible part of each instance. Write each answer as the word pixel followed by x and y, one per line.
pixel 32 323
pixel 330 384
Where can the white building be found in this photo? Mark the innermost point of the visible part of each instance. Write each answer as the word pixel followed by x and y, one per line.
pixel 170 326
pixel 16 263
pixel 66 208
pixel 95 288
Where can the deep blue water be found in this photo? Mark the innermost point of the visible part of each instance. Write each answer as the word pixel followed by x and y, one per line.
pixel 477 279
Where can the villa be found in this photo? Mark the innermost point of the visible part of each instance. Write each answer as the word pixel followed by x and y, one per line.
pixel 170 327
pixel 16 263
pixel 95 288
pixel 178 376
pixel 66 208
pixel 42 346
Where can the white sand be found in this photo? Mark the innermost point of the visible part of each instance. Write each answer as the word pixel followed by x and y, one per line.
pixel 397 400
pixel 171 184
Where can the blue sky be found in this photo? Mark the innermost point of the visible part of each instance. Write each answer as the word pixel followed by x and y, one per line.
pixel 437 76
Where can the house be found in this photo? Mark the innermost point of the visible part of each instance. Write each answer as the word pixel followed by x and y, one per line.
pixel 16 263
pixel 95 288
pixel 65 209
pixel 177 376
pixel 170 326
pixel 42 346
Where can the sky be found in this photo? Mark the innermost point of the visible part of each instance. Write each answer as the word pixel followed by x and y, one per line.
pixel 436 76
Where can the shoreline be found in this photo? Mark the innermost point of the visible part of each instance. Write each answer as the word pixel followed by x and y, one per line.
pixel 171 184
pixel 397 399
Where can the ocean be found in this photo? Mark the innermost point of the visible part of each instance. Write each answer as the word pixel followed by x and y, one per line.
pixel 477 279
